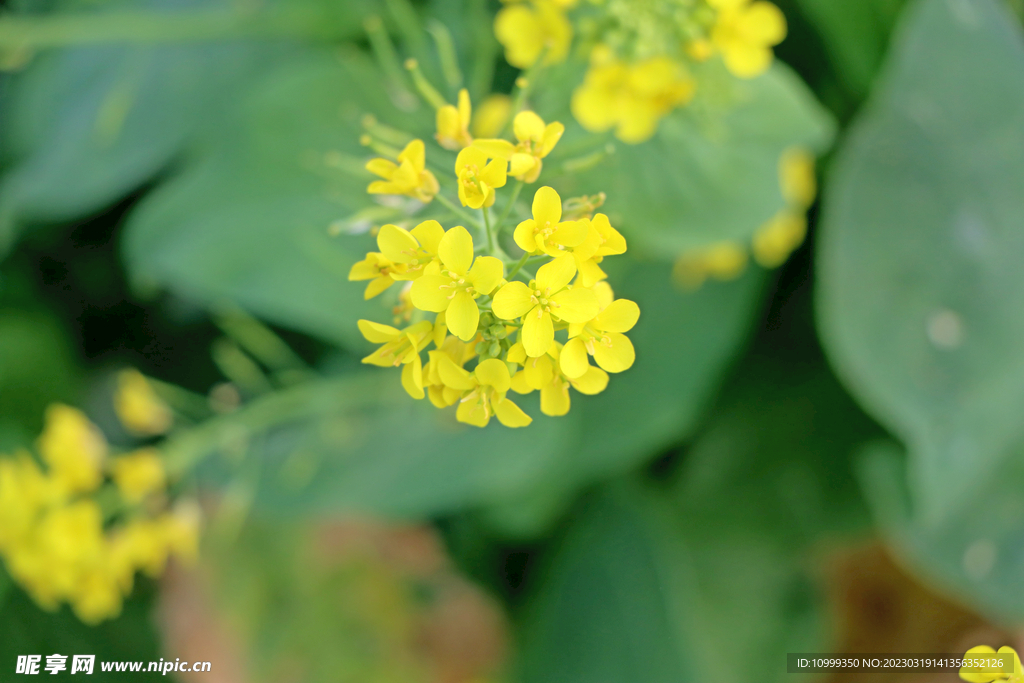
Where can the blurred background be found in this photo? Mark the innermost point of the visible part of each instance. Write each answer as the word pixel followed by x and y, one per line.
pixel 824 456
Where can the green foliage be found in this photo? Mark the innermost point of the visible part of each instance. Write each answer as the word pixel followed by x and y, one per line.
pixel 921 289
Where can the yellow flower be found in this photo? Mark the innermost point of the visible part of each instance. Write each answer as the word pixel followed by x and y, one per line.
pixel 492 116
pixel 399 347
pixel 779 237
pixel 24 492
pixel 379 270
pixel 138 407
pixel 545 375
pixel 73 448
pixel 546 232
pixel 602 337
pixel 408 177
pixel 411 250
pixel 98 597
pixel 630 98
pixel 745 32
pixel 529 29
pixel 478 178
pixel 544 301
pixel 460 353
pixel 139 474
pixel 453 123
pixel 723 261
pixel 454 285
pixel 796 177
pixel 482 393
pixel 536 140
pixel 602 240
pixel 1015 677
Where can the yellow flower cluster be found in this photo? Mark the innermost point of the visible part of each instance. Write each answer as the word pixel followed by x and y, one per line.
pixel 66 535
pixel 773 242
pixel 492 333
pixel 641 51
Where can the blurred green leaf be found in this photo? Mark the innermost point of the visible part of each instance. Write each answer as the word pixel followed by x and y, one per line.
pixel 856 36
pixel 711 173
pixel 921 288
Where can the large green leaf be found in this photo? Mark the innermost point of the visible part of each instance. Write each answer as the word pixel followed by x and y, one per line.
pixel 921 291
pixel 712 171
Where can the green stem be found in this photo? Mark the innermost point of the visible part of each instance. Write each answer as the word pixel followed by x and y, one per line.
pixel 60 30
pixel 508 207
pixel 487 227
pixel 458 211
pixel 518 266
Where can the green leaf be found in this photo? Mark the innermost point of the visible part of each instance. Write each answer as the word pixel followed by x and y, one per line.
pixel 856 35
pixel 921 291
pixel 711 172
pixel 639 593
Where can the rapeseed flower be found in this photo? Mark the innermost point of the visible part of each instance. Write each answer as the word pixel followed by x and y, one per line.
pixel 379 270
pixel 399 347
pixel 602 240
pixel 73 448
pixel 408 177
pixel 745 33
pixel 453 123
pixel 545 375
pixel 546 232
pixel 139 474
pixel 602 337
pixel 138 407
pixel 482 393
pixel 546 300
pixel 528 30
pixel 1016 676
pixel 478 178
pixel 412 251
pixel 535 138
pixel 453 285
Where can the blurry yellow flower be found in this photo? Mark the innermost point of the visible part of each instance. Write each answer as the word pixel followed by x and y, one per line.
pixel 529 29
pixel 602 240
pixel 602 337
pixel 379 270
pixel 478 178
pixel 492 116
pixel 138 407
pixel 139 474
pixel 796 177
pixel 453 123
pixel 482 393
pixel 454 285
pixel 24 492
pixel 73 448
pixel 408 177
pixel 722 261
pixel 745 32
pixel 536 140
pixel 399 347
pixel 544 301
pixel 632 98
pixel 546 232
pixel 779 237
pixel 98 597
pixel 180 530
pixel 411 250
pixel 1016 677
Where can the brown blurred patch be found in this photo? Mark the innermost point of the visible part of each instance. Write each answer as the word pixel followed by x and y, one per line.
pixel 449 631
pixel 880 608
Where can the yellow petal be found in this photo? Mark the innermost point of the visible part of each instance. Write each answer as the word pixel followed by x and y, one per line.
pixel 763 23
pixel 437 396
pixel 520 31
pixel 429 235
pixel 412 378
pixel 539 371
pixel 516 354
pixel 521 164
pixel 547 206
pixel 512 301
pixel 619 316
pixel 524 237
pixel 396 243
pixel 527 126
pixel 470 156
pixel 496 149
pixel 576 305
pixel 570 233
pixel 363 270
pixel 747 61
pixel 462 316
pixel 612 240
pixel 492 115
pixel 377 286
pixel 486 273
pixel 440 330
pixel 453 376
pixel 472 412
pixel 493 373
pixel 616 355
pixel 416 154
pixel 538 332
pixel 465 109
pixel 552 134
pixel 573 360
pixel 520 385
pixel 375 333
pixel 591 273
pixel 495 174
pixel 593 382
pixel 456 250
pixel 430 293
pixel 554 399
pixel 511 415
pixel 382 167
pixel 554 276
